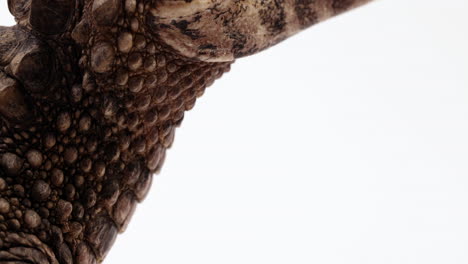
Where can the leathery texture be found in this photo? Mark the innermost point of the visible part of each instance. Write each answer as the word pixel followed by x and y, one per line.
pixel 90 98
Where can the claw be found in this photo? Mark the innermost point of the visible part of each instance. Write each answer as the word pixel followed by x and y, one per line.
pixel 32 68
pixel 25 58
pixel 12 38
pixel 12 103
pixel 19 8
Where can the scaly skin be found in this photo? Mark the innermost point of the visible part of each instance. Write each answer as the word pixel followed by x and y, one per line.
pixel 91 93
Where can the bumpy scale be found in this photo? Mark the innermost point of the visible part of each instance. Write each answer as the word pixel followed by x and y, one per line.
pixel 91 92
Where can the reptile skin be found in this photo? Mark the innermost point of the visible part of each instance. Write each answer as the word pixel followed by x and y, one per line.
pixel 91 92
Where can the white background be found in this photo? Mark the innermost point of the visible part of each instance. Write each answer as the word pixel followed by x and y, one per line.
pixel 345 144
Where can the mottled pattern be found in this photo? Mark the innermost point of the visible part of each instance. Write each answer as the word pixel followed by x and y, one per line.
pixel 91 93
pixel 305 14
pixel 223 30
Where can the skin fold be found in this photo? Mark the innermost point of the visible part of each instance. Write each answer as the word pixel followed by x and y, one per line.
pixel 91 92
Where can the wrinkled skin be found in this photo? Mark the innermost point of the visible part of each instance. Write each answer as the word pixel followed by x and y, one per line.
pixel 91 93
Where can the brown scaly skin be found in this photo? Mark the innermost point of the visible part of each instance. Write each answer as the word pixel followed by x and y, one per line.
pixel 91 92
